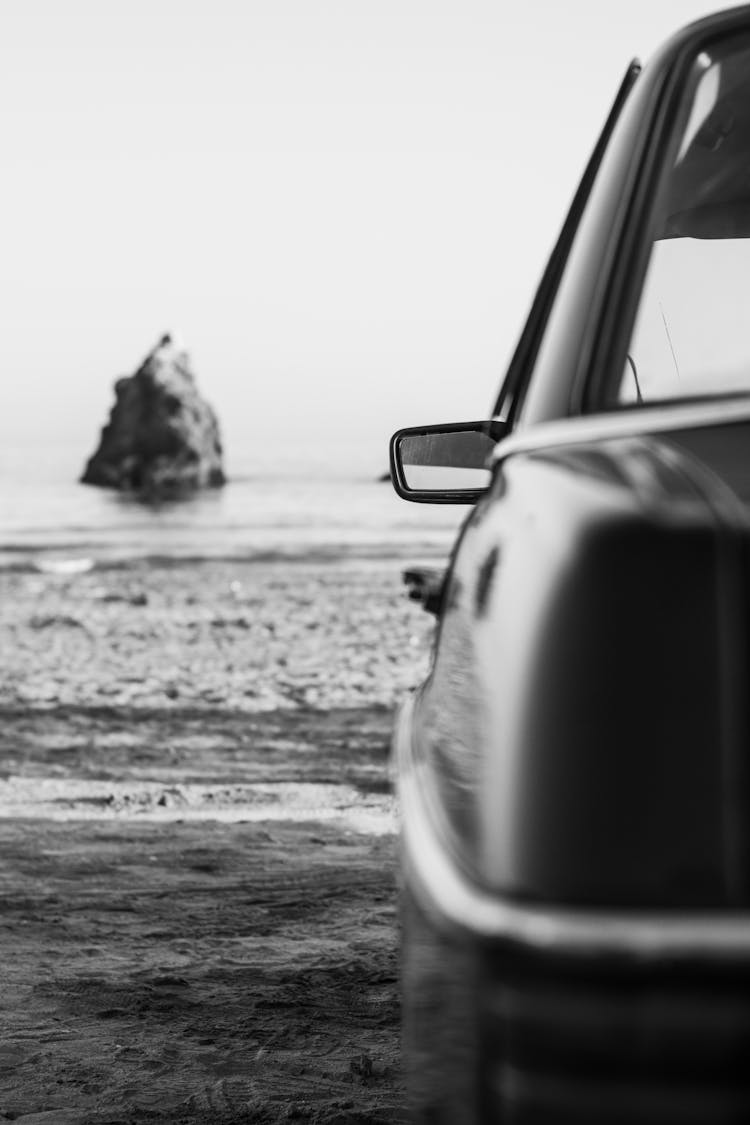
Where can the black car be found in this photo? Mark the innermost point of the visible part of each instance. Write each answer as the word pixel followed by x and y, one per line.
pixel 574 774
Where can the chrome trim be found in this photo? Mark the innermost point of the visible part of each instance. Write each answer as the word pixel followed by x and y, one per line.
pixel 627 423
pixel 444 890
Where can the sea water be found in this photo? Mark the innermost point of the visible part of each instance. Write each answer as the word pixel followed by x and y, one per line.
pixel 313 507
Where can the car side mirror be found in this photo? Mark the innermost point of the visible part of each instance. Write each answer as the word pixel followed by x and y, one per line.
pixel 445 464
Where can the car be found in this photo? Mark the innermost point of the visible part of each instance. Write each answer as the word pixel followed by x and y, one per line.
pixel 574 773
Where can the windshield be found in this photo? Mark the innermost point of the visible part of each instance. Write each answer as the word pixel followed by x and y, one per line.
pixel 692 331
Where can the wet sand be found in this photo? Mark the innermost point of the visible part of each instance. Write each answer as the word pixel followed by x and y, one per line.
pixel 198 918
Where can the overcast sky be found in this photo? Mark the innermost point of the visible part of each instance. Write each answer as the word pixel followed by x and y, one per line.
pixel 343 206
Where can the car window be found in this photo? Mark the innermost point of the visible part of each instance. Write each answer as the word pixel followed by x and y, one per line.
pixel 692 331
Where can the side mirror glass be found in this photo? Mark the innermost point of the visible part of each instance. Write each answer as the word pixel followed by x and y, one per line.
pixel 445 464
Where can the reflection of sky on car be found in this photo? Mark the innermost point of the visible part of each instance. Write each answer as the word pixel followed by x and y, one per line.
pixel 692 333
pixel 445 476
pixel 704 101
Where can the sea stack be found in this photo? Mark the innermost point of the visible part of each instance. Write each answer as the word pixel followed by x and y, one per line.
pixel 162 437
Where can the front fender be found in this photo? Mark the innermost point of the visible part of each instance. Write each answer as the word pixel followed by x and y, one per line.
pixel 581 733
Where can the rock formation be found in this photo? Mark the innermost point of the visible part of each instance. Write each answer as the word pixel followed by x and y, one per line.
pixel 162 437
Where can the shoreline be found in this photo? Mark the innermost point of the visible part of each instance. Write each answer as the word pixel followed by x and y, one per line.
pixel 69 559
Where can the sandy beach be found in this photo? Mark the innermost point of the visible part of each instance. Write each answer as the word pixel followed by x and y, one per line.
pixel 198 914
